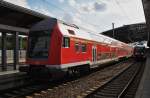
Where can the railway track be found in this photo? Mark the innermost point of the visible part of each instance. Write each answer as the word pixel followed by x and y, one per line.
pixel 123 85
pixel 11 81
pixel 68 88
pixel 83 86
pixel 133 86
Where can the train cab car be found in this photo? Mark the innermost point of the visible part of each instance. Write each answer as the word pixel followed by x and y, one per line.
pixel 55 48
pixel 139 52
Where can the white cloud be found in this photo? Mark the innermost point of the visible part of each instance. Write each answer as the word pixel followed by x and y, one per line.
pixel 77 19
pixel 91 7
pixel 68 18
pixel 86 8
pixel 72 2
pixel 99 6
pixel 23 3
pixel 46 12
pixel 43 11
pixel 127 12
pixel 99 16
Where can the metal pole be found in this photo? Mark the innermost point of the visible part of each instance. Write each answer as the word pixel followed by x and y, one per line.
pixel 148 36
pixel 16 50
pixel 21 39
pixel 4 57
pixel 113 27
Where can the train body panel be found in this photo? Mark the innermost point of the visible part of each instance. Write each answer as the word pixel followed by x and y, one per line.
pixel 37 53
pixel 56 45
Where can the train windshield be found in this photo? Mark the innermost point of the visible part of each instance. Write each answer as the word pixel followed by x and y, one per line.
pixel 39 42
pixel 140 49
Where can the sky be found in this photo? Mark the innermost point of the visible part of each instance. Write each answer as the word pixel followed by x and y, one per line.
pixel 95 15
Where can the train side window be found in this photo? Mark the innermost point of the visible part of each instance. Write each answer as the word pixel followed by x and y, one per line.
pixel 71 32
pixel 77 49
pixel 83 47
pixel 66 42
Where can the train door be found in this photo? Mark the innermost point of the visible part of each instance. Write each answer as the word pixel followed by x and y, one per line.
pixel 94 54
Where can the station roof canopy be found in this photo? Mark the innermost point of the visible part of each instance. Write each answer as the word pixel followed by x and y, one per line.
pixel 129 33
pixel 17 18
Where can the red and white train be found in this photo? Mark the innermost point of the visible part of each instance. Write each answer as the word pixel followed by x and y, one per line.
pixel 55 47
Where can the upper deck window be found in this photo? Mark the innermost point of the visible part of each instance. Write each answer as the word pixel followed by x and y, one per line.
pixel 66 42
pixel 77 49
pixel 83 47
pixel 71 32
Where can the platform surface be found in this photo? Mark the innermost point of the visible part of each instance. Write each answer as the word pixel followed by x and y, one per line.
pixel 10 70
pixel 144 86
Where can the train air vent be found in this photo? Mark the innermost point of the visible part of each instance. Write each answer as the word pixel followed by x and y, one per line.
pixel 71 32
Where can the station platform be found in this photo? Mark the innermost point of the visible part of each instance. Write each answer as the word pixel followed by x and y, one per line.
pixel 8 72
pixel 144 86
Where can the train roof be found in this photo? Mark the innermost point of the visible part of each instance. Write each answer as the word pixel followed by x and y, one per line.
pixel 46 24
pixel 77 32
pixel 85 34
pixel 139 46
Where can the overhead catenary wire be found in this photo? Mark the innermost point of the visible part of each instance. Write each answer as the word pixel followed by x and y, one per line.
pixel 82 19
pixel 90 31
pixel 121 9
pixel 70 13
pixel 125 14
pixel 117 6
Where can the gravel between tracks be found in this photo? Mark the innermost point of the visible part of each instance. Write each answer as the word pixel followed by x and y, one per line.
pixel 85 85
